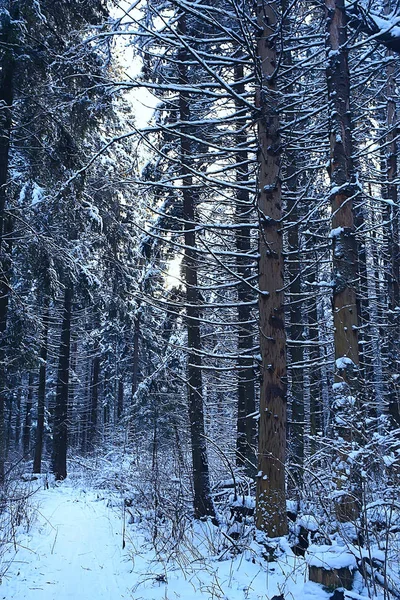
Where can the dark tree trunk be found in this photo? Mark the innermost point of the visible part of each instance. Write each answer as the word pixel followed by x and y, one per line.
pixel 85 414
pixel 18 421
pixel 71 392
pixel 26 432
pixel 41 401
pixel 203 505
pixel 60 427
pixel 135 360
pixel 271 495
pixel 345 254
pixel 120 404
pixel 246 428
pixel 393 240
pixel 94 401
pixel 297 341
pixel 6 100
pixel 296 312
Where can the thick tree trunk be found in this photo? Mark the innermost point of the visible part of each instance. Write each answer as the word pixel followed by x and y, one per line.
pixel 203 505
pixel 60 427
pixel 246 428
pixel 271 496
pixel 345 255
pixel 41 400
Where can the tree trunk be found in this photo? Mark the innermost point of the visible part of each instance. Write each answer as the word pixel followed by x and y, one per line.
pixel 246 428
pixel 203 505
pixel 135 360
pixel 135 374
pixel 345 256
pixel 41 402
pixel 26 432
pixel 271 495
pixel 94 401
pixel 85 413
pixel 120 403
pixel 18 420
pixel 393 240
pixel 6 100
pixel 60 427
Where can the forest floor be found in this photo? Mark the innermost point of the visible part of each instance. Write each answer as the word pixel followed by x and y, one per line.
pixel 73 550
pixel 80 546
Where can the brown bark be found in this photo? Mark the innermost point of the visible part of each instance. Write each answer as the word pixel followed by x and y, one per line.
pixel 345 255
pixel 345 264
pixel 271 497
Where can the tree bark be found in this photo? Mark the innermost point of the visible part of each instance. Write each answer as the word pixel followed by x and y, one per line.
pixel 41 400
pixel 18 420
pixel 6 100
pixel 271 495
pixel 345 252
pixel 60 427
pixel 246 428
pixel 135 359
pixel 203 505
pixel 26 432
pixel 94 401
pixel 120 403
pixel 393 239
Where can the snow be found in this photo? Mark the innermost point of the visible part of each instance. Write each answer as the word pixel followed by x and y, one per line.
pixel 336 232
pixel 246 501
pixel 343 362
pixel 74 551
pixel 37 194
pixel 340 386
pixel 390 26
pixel 330 557
pixel 309 522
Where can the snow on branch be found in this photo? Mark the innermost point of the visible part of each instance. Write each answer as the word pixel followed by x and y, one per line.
pixel 384 30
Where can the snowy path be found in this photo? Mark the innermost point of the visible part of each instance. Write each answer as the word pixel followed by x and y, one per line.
pixel 74 551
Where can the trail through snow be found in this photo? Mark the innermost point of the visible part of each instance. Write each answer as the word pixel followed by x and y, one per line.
pixel 74 551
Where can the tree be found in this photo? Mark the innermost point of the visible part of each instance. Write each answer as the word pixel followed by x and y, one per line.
pixel 271 497
pixel 60 428
pixel 345 254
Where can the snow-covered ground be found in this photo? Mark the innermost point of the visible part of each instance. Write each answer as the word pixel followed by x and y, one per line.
pixel 74 550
